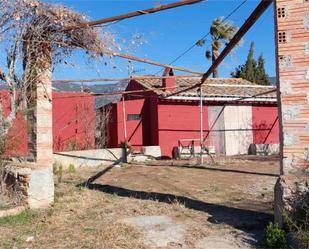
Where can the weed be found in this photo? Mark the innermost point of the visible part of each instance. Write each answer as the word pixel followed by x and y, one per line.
pixel 58 195
pixel 215 188
pixel 125 166
pixel 275 236
pixel 72 168
pixel 58 171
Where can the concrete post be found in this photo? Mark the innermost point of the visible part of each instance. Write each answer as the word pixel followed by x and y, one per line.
pixel 292 45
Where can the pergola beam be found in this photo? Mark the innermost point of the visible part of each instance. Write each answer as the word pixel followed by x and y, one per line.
pixel 133 58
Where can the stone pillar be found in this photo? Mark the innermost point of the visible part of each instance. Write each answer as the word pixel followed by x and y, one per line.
pixel 40 139
pixel 292 45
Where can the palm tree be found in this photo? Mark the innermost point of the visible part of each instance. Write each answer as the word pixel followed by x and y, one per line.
pixel 221 31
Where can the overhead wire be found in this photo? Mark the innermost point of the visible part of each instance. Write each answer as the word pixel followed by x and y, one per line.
pixel 205 36
pixel 254 16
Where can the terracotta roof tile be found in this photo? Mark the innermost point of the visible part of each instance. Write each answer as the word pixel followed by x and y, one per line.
pixel 219 87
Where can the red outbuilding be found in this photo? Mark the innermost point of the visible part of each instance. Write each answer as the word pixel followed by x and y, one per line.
pixel 236 113
pixel 73 123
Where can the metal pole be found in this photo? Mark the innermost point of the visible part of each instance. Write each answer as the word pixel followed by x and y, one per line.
pixel 124 129
pixel 201 125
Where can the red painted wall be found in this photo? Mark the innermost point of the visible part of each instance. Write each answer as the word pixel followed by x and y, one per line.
pixel 179 121
pixel 16 141
pixel 73 124
pixel 112 127
pixel 265 125
pixel 134 127
pixel 73 121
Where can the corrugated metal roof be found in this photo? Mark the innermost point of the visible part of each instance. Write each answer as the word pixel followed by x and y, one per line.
pixel 218 87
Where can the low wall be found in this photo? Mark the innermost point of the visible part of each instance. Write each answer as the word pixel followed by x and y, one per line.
pixel 28 184
pixel 263 149
pixel 89 157
pixel 15 183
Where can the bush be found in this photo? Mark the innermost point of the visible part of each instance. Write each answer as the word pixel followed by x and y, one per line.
pixel 275 236
pixel 297 219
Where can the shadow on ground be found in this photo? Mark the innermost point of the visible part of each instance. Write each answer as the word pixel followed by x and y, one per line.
pixel 227 170
pixel 219 214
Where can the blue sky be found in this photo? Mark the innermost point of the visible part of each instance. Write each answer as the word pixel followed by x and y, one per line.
pixel 167 34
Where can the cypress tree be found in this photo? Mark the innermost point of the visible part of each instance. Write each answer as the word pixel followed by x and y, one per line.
pixel 252 71
pixel 261 75
pixel 250 66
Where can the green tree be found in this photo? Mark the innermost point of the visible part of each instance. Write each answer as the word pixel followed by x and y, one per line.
pixel 252 71
pixel 249 72
pixel 261 75
pixel 221 32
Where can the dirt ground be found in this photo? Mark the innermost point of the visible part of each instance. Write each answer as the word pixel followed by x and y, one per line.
pixel 231 200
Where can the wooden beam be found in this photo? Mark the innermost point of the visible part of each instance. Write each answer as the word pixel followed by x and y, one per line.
pixel 130 14
pixel 130 57
pixel 259 10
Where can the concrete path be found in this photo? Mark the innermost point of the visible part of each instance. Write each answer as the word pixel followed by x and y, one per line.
pixel 162 231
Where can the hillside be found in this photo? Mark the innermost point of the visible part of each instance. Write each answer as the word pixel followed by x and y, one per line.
pixel 95 88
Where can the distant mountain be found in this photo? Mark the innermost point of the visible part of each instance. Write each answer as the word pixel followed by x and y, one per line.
pixel 95 88
pixel 273 80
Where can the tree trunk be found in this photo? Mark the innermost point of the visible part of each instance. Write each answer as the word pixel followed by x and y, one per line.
pixel 215 55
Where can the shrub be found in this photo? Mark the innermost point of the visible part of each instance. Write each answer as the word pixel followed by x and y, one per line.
pixel 297 219
pixel 275 236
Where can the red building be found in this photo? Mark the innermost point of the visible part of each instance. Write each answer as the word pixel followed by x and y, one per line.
pixel 236 113
pixel 73 123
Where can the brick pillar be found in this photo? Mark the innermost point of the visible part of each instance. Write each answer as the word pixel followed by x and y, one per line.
pixel 292 43
pixel 40 139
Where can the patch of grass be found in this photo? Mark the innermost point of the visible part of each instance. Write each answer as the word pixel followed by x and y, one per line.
pixel 58 195
pixel 89 229
pixel 20 219
pixel 119 235
pixel 6 206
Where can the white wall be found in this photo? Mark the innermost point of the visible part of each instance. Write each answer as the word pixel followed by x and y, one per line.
pixel 238 129
pixel 89 157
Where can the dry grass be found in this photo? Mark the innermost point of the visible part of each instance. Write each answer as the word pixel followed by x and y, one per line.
pixel 85 218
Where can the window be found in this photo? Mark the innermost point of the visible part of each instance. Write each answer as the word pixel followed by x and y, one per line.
pixel 134 117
